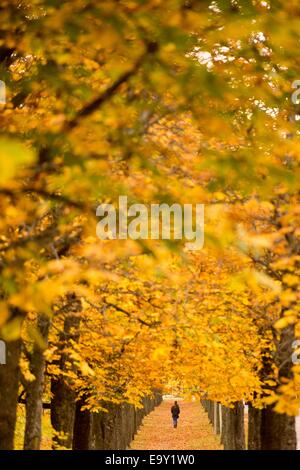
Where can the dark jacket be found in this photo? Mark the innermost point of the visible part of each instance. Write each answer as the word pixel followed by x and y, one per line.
pixel 175 410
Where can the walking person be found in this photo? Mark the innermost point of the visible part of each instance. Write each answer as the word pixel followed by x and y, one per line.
pixel 175 411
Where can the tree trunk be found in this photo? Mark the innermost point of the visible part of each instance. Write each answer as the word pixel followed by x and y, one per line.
pixel 9 383
pixel 221 420
pixel 63 396
pixel 233 433
pixel 34 390
pixel 204 403
pixel 217 418
pixel 278 431
pixel 62 412
pixel 211 411
pixel 268 430
pixel 254 427
pixel 82 428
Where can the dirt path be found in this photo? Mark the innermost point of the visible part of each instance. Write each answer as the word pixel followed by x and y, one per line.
pixel 193 432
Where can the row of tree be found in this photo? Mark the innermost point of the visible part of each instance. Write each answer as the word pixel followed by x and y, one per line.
pixel 251 428
pixel 186 102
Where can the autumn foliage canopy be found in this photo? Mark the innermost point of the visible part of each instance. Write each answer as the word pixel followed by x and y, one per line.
pixel 165 102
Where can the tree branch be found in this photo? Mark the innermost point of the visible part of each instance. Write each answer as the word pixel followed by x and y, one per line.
pixel 96 104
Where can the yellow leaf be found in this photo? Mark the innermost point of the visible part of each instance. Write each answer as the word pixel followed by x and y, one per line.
pixel 13 155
